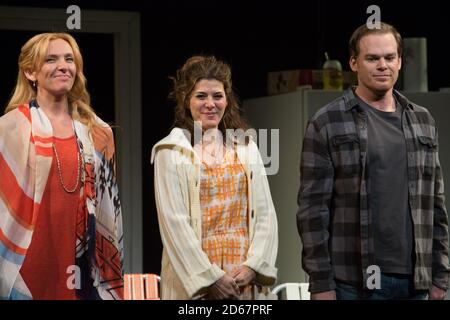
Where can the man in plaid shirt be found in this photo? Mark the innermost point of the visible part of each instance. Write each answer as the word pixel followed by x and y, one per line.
pixel 371 214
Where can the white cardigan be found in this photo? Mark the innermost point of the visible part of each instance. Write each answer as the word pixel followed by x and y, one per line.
pixel 186 271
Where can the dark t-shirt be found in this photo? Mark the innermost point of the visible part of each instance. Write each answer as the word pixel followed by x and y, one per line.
pixel 388 195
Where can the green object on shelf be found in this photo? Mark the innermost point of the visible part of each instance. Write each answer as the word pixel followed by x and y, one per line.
pixel 332 74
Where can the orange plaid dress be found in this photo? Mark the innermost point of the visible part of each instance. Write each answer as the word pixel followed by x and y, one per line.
pixel 223 201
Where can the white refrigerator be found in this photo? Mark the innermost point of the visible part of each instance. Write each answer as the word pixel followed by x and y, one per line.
pixel 289 113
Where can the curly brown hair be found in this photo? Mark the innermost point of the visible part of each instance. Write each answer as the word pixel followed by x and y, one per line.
pixel 195 69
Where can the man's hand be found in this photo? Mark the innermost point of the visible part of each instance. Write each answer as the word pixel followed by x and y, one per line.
pixel 243 276
pixel 326 295
pixel 436 293
pixel 224 288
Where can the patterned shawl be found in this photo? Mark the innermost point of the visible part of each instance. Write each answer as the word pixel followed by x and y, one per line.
pixel 26 138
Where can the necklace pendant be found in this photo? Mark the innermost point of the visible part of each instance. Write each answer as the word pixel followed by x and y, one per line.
pixel 61 179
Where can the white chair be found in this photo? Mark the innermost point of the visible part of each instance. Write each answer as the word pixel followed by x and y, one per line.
pixel 294 290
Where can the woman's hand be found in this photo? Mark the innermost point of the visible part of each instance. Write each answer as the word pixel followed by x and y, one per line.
pixel 243 276
pixel 224 288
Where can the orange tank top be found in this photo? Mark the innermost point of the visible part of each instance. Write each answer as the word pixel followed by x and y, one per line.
pixel 52 249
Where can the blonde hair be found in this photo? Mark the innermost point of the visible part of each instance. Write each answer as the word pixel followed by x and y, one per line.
pixel 32 57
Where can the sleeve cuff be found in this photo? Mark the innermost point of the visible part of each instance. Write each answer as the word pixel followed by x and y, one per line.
pixel 266 274
pixel 321 282
pixel 441 281
pixel 198 284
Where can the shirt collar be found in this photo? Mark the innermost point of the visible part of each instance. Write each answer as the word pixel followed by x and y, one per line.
pixel 351 101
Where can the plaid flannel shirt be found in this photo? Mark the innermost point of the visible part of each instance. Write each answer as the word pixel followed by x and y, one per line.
pixel 334 218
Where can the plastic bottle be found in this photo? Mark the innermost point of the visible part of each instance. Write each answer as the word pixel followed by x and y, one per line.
pixel 332 74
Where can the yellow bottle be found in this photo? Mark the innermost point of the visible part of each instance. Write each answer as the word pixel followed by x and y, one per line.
pixel 332 74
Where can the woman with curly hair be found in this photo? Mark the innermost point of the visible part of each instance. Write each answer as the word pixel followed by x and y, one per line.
pixel 217 220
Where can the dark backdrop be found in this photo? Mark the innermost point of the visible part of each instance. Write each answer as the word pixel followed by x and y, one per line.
pixel 255 38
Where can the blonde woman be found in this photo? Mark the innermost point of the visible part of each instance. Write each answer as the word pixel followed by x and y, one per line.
pixel 216 216
pixel 60 214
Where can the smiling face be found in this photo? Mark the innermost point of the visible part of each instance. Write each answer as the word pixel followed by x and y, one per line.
pixel 208 102
pixel 377 64
pixel 58 71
